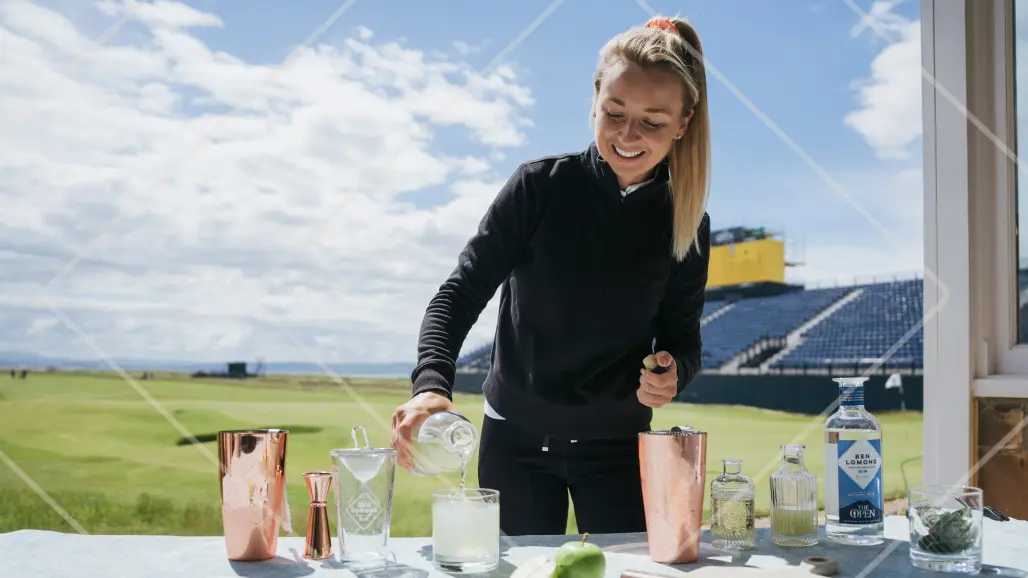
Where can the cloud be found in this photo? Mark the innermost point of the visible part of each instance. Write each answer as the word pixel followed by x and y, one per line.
pixel 235 207
pixel 160 13
pixel 843 263
pixel 889 117
pixel 842 245
pixel 465 48
pixel 889 112
pixel 880 20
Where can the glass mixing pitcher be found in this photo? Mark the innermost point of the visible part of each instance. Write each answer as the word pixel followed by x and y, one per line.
pixel 364 479
pixel 443 443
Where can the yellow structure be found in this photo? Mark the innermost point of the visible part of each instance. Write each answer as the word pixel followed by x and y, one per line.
pixel 758 261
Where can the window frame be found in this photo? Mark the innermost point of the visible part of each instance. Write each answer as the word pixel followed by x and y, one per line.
pixel 947 361
pixel 1011 357
pixel 967 168
pixel 970 175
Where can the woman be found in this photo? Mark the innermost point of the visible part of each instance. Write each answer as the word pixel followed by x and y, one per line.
pixel 602 258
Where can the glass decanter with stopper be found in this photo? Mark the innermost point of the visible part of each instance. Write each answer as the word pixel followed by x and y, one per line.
pixel 443 443
pixel 731 508
pixel 794 514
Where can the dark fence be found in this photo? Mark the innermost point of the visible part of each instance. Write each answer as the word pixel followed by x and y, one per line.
pixel 469 382
pixel 857 367
pixel 805 394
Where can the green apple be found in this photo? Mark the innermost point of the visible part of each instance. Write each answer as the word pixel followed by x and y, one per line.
pixel 579 560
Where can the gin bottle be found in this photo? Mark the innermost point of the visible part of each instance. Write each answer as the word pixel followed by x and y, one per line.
pixel 731 508
pixel 853 469
pixel 793 501
pixel 443 443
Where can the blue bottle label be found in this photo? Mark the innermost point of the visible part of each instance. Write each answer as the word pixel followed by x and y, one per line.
pixel 860 481
pixel 851 396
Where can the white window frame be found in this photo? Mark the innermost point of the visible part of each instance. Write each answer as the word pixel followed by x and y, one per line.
pixel 971 349
pixel 1008 356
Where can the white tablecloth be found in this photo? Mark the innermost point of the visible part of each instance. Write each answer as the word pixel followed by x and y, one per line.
pixel 32 554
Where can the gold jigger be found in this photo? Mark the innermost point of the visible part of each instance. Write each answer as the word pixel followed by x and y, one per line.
pixel 319 536
pixel 673 465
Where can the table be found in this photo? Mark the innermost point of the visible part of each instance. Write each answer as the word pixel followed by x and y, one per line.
pixel 33 553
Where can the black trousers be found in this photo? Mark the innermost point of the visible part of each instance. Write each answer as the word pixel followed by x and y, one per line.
pixel 535 474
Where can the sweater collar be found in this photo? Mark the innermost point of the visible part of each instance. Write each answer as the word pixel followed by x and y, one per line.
pixel 603 175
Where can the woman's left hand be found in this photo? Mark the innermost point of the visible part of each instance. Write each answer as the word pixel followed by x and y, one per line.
pixel 658 389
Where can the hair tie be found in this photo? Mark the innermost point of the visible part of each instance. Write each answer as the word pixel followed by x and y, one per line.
pixel 663 23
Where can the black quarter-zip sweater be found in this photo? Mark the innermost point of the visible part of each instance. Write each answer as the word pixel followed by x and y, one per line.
pixel 588 282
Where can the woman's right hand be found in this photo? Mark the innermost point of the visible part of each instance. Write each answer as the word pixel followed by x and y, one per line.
pixel 411 414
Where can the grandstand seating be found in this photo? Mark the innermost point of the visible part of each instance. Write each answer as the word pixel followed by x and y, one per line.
pixel 751 320
pixel 858 332
pixel 711 307
pixel 476 359
pixel 863 330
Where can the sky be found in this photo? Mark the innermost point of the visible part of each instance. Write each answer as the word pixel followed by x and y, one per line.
pixel 214 179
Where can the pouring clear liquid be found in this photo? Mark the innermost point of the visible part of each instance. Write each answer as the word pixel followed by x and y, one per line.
pixel 443 443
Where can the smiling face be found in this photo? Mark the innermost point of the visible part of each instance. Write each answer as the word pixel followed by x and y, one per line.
pixel 638 114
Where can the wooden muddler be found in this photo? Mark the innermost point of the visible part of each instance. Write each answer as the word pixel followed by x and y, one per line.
pixel 650 362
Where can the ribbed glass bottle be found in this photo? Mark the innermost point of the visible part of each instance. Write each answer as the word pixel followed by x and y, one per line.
pixel 794 515
pixel 731 508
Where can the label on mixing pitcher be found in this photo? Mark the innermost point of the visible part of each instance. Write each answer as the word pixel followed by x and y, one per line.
pixel 364 510
pixel 860 481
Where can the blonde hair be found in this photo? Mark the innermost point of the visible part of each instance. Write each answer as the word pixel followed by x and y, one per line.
pixel 651 46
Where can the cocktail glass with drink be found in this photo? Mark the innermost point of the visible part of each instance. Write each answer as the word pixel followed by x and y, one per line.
pixel 466 530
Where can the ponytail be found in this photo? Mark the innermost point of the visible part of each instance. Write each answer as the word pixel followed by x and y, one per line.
pixel 690 155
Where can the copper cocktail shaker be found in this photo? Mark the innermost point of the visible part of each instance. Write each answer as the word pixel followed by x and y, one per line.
pixel 673 465
pixel 252 473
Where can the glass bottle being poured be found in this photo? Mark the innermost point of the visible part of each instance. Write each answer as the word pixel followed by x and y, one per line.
pixel 443 443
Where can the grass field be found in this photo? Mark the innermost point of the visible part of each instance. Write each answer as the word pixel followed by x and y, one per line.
pixel 104 454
